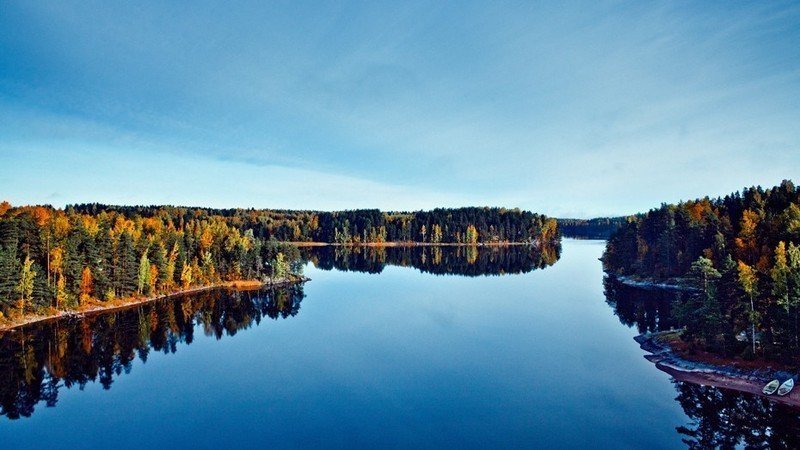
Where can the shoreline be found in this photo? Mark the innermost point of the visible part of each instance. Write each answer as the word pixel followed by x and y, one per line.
pixel 705 374
pixel 241 285
pixel 670 285
pixel 408 244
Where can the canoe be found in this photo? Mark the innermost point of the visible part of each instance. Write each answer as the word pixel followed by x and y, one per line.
pixel 786 387
pixel 771 387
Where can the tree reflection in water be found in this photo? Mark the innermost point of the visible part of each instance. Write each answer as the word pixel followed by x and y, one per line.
pixel 440 260
pixel 37 360
pixel 719 418
pixel 648 310
pixel 722 418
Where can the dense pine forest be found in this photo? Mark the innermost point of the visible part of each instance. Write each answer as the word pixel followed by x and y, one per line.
pixel 67 258
pixel 742 255
pixel 598 228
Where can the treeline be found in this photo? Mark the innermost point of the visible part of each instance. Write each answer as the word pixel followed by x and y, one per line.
pixel 37 363
pixel 438 260
pixel 741 252
pixel 53 258
pixel 598 228
pixel 441 225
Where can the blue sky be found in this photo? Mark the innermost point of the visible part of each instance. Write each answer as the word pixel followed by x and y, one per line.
pixel 571 109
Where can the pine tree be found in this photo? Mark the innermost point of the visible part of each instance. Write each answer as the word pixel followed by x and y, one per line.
pixel 160 263
pixel 125 268
pixel 9 277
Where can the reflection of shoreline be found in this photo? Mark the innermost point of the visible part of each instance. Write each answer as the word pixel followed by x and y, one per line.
pixel 126 303
pixel 464 260
pixel 649 309
pixel 650 284
pixel 413 244
pixel 40 359
pixel 706 374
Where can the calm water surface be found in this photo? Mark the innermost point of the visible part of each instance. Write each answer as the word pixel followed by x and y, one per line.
pixel 426 353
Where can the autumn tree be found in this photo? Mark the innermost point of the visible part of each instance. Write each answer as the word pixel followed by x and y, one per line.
pixel 186 275
pixel 471 235
pixel 87 285
pixel 25 285
pixel 280 267
pixel 436 233
pixel 169 273
pixel 748 280
pixel 779 275
pixel 144 275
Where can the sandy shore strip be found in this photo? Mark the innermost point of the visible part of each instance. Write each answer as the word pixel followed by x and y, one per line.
pixel 410 244
pixel 242 285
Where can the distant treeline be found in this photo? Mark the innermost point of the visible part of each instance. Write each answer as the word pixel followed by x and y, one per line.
pixel 441 225
pixel 439 260
pixel 742 252
pixel 599 228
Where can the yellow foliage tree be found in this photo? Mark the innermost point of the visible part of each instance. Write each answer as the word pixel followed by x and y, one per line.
pixel 87 285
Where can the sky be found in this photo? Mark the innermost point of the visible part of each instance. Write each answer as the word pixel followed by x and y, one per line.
pixel 572 109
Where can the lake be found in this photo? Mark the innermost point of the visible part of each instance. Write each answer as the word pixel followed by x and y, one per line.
pixel 397 347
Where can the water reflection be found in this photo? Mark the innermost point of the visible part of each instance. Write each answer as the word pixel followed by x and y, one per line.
pixel 648 310
pixel 719 418
pixel 727 419
pixel 469 261
pixel 36 361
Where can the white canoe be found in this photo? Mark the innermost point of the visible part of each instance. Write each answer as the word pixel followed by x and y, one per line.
pixel 786 387
pixel 771 387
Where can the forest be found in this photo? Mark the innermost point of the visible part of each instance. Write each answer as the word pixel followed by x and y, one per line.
pixel 53 259
pixel 740 254
pixel 60 259
pixel 598 228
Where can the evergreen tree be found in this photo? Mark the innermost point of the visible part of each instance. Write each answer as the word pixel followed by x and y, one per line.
pixel 9 278
pixel 125 267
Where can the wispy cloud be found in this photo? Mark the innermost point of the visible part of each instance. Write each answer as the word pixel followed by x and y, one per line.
pixel 577 107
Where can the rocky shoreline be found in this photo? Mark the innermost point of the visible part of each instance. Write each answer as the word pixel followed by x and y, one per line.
pixel 672 285
pixel 726 377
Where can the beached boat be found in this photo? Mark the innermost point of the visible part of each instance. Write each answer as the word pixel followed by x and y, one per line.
pixel 786 387
pixel 771 387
